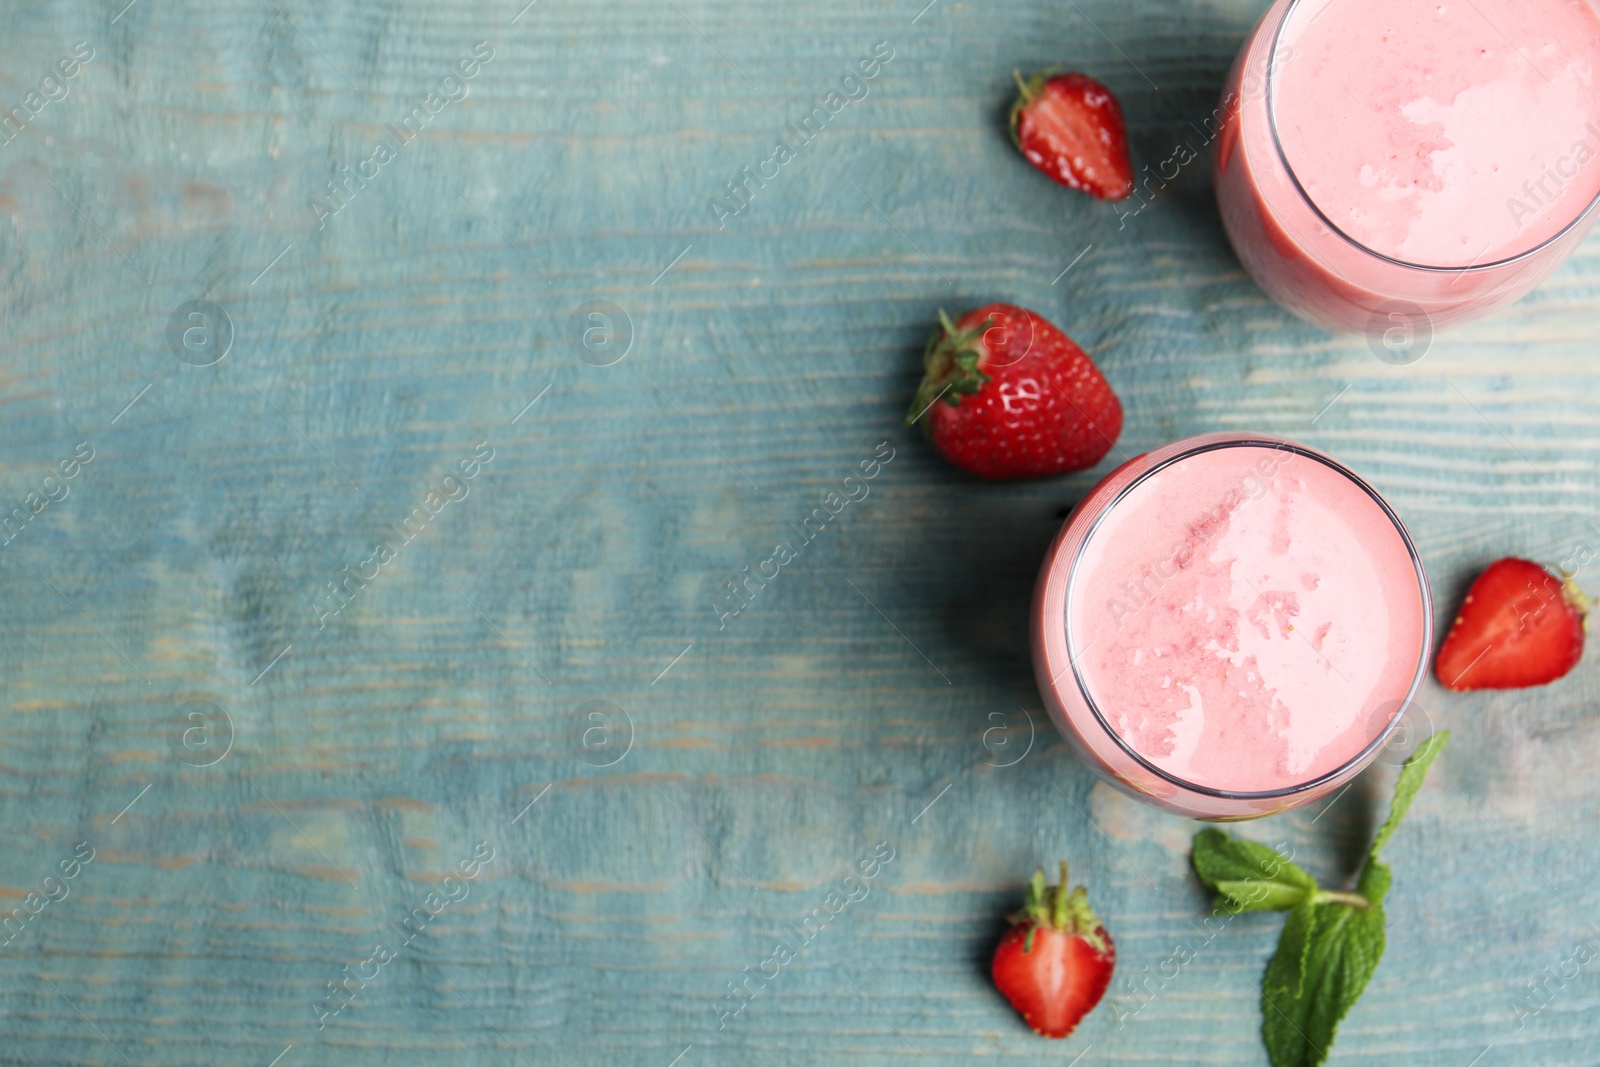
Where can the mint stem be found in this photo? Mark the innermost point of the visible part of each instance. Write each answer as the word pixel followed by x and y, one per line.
pixel 1338 896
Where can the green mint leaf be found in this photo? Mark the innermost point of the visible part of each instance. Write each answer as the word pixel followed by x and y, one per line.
pixel 1342 950
pixel 1325 960
pixel 1405 790
pixel 1247 876
pixel 1286 972
pixel 1374 881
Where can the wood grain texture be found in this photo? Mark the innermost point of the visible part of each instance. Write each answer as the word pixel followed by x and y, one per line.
pixel 767 757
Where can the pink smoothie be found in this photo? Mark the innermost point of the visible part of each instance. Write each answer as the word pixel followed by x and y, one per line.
pixel 1246 619
pixel 1395 167
pixel 1447 132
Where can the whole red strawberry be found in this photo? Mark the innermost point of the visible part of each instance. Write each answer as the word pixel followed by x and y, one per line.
pixel 1520 625
pixel 1055 962
pixel 1070 127
pixel 1008 395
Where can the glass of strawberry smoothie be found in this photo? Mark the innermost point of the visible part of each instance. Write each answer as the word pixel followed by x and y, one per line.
pixel 1230 626
pixel 1395 165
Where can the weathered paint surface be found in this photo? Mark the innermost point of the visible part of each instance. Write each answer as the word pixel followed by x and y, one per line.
pixel 275 782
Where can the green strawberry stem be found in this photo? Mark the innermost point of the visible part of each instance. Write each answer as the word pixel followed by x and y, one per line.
pixel 950 367
pixel 1059 909
pixel 1030 88
pixel 1577 598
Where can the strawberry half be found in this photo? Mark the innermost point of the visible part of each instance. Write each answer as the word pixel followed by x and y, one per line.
pixel 1055 962
pixel 1005 394
pixel 1070 127
pixel 1520 625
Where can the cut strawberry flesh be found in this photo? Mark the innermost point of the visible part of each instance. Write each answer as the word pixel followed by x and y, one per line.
pixel 1057 983
pixel 1519 626
pixel 1072 130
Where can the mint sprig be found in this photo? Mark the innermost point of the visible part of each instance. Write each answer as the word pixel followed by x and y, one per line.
pixel 1333 939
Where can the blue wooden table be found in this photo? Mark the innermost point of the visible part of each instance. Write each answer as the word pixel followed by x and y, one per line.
pixel 374 691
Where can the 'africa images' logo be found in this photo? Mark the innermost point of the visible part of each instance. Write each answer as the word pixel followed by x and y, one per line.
pixel 452 88
pixel 1553 178
pixel 797 136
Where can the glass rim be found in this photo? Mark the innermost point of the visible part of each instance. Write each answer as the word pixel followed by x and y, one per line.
pixel 1372 748
pixel 1305 197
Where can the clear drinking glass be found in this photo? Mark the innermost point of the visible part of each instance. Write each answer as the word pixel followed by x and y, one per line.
pixel 1233 531
pixel 1312 266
